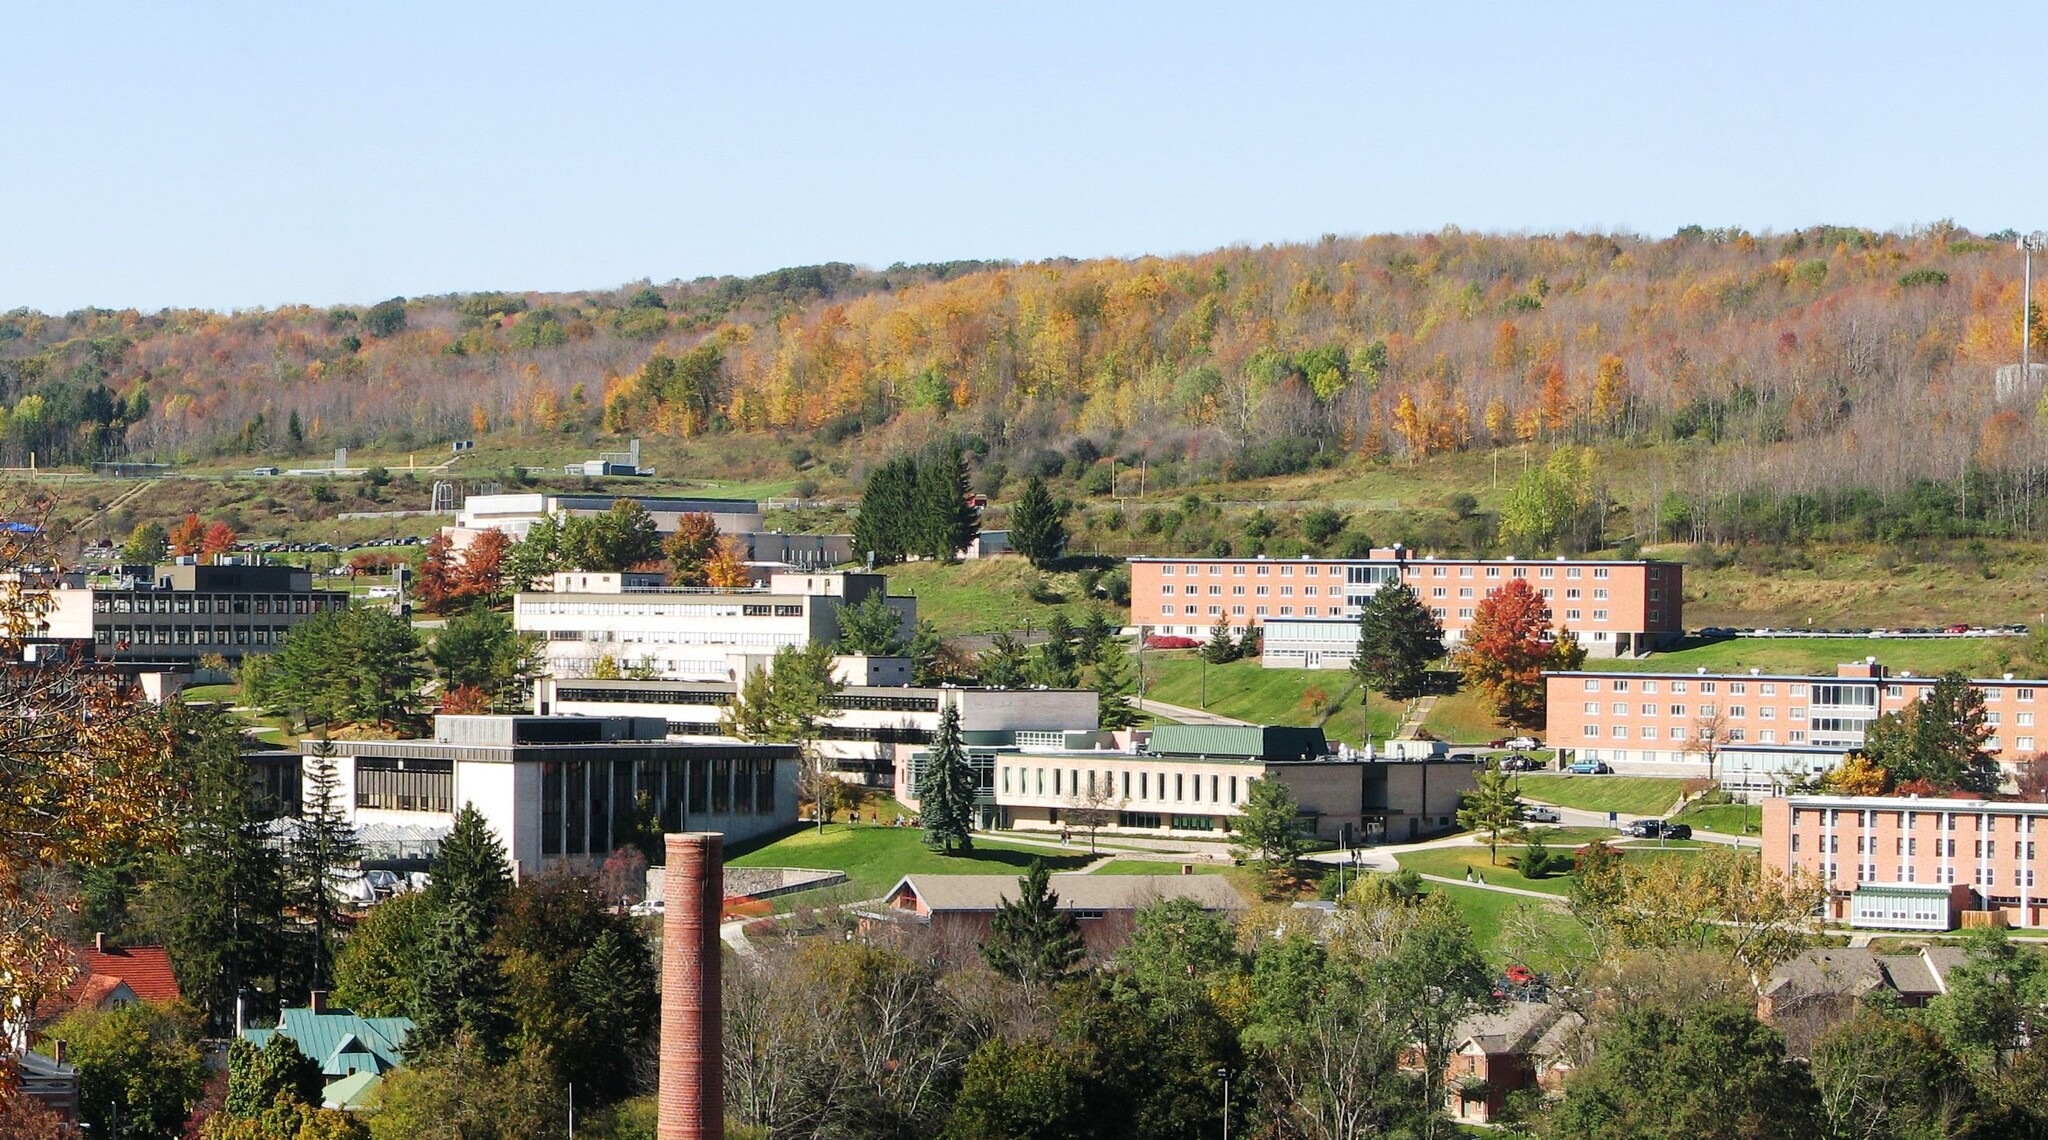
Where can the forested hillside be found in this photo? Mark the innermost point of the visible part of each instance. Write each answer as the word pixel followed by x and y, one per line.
pixel 1798 378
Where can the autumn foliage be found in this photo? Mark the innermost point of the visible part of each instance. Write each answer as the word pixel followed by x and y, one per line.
pixel 1506 650
pixel 444 580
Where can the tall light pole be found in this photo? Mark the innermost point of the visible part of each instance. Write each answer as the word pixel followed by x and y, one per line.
pixel 1226 1074
pixel 2028 244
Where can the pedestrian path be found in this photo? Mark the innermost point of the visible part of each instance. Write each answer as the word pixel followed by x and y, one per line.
pixel 1185 715
pixel 1410 727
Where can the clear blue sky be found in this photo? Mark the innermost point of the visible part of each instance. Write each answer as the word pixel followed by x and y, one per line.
pixel 229 155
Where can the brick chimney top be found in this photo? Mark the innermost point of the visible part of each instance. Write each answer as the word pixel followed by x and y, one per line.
pixel 99 941
pixel 317 1001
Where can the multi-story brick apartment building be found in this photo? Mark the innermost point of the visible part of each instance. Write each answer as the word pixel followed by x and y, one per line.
pixel 1766 728
pixel 1913 864
pixel 1309 606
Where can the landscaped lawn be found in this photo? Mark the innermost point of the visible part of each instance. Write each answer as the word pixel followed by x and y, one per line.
pixel 1453 862
pixel 1489 913
pixel 1155 867
pixel 1630 795
pixel 874 858
pixel 1461 718
pixel 1244 690
pixel 1727 819
pixel 213 693
pixel 1818 655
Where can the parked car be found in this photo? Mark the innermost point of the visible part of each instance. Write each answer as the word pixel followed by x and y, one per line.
pixel 1589 768
pixel 1524 743
pixel 1677 830
pixel 1541 813
pixel 652 908
pixel 1646 829
pixel 1520 764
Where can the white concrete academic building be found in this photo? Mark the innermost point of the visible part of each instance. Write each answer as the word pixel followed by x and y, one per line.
pixel 636 624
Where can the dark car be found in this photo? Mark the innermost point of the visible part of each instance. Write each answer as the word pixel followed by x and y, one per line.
pixel 1646 829
pixel 1677 830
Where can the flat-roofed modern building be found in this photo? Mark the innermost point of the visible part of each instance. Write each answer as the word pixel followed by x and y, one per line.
pixel 1770 729
pixel 639 625
pixel 739 519
pixel 871 726
pixel 565 790
pixel 1192 780
pixel 1904 863
pixel 1617 608
pixel 184 612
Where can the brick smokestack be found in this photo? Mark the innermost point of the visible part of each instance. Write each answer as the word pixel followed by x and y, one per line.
pixel 692 1092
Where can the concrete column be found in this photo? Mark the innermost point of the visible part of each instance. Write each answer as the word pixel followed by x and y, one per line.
pixel 692 1090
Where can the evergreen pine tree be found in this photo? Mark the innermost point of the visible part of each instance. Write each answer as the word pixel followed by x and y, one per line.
pixel 1004 664
pixel 1031 939
pixel 1221 648
pixel 1095 633
pixel 1057 667
pixel 1036 529
pixel 888 508
pixel 224 884
pixel 947 788
pixel 1114 686
pixel 323 850
pixel 927 655
pixel 947 519
pixel 1397 639
pixel 461 989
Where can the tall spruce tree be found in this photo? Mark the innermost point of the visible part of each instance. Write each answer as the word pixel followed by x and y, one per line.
pixel 1030 938
pixel 888 506
pixel 947 519
pixel 461 988
pixel 1005 664
pixel 222 888
pixel 1057 666
pixel 946 789
pixel 1114 686
pixel 1036 529
pixel 1397 639
pixel 324 850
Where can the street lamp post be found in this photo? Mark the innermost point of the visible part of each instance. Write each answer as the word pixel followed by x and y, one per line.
pixel 1226 1074
pixel 2028 244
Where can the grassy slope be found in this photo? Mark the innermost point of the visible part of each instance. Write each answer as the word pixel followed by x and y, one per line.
pixel 1154 867
pixel 1489 914
pixel 875 857
pixel 1245 691
pixel 1633 795
pixel 1977 656
pixel 983 596
pixel 1726 819
pixel 1865 585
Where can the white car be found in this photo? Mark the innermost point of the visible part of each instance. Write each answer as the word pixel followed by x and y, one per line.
pixel 1524 743
pixel 652 908
pixel 1540 813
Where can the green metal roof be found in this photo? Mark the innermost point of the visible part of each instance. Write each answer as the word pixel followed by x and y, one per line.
pixel 1901 891
pixel 352 1091
pixel 1246 741
pixel 340 1042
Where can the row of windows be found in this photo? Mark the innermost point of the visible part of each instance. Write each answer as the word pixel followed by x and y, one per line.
pixel 1308 570
pixel 594 806
pixel 594 694
pixel 1259 591
pixel 1185 788
pixel 1839 817
pixel 677 637
pixel 1169 610
pixel 1384 573
pixel 181 602
pixel 637 609
pixel 405 785
pixel 1735 712
pixel 1656 573
pixel 1735 689
pixel 190 635
pixel 1733 735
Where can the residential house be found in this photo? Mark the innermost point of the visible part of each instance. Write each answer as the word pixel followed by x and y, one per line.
pixel 1811 993
pixel 1523 1045
pixel 338 1040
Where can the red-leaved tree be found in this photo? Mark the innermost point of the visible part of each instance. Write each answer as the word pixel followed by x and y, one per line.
pixel 1506 650
pixel 219 539
pixel 434 582
pixel 187 535
pixel 482 574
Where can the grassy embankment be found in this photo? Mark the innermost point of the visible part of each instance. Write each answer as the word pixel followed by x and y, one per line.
pixel 985 596
pixel 874 858
pixel 1245 691
pixel 1629 795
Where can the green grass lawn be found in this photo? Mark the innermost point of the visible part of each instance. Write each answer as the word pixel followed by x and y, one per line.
pixel 992 594
pixel 1490 915
pixel 1154 867
pixel 228 693
pixel 874 858
pixel 1245 691
pixel 1453 862
pixel 1462 718
pixel 1809 655
pixel 1727 819
pixel 1632 795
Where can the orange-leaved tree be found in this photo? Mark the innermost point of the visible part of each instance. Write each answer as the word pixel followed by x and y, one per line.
pixel 186 537
pixel 84 775
pixel 726 570
pixel 482 575
pixel 1506 650
pixel 434 581
pixel 691 549
pixel 218 539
